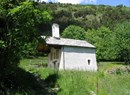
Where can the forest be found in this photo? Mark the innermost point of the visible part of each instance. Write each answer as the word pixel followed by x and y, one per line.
pixel 107 27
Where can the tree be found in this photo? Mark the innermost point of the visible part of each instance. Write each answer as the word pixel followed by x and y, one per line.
pixel 122 41
pixel 103 40
pixel 19 21
pixel 74 32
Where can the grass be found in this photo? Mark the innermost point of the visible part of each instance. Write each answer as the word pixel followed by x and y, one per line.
pixel 103 66
pixel 83 83
pixel 76 83
pixel 109 80
pixel 37 66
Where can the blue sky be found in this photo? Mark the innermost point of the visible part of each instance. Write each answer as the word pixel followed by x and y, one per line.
pixel 104 2
pixel 114 2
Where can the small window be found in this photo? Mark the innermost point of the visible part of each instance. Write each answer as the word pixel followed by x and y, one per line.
pixel 89 61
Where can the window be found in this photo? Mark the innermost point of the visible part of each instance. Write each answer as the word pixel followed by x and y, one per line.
pixel 89 61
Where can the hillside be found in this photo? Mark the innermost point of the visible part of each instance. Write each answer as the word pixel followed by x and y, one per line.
pixel 87 16
pixel 106 27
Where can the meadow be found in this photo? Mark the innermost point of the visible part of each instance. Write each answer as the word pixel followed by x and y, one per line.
pixel 112 78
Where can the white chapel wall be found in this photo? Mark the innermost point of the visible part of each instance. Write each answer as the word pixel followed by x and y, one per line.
pixel 78 58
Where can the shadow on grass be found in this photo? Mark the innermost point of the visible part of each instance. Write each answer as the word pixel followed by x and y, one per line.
pixel 17 81
pixel 52 79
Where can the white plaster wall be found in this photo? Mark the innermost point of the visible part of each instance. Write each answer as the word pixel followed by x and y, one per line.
pixel 55 30
pixel 62 60
pixel 77 58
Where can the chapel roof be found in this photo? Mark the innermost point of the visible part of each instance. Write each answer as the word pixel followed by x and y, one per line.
pixel 68 42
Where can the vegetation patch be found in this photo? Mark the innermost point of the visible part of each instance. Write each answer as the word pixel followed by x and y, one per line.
pixel 80 82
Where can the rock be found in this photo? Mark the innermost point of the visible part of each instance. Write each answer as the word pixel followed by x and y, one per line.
pixel 92 93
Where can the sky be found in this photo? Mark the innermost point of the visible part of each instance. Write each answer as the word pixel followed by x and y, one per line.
pixel 97 2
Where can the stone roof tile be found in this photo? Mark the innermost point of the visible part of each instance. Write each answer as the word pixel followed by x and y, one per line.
pixel 68 42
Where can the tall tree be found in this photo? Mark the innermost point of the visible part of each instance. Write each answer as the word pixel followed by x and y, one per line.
pixel 19 19
pixel 103 40
pixel 122 41
pixel 74 32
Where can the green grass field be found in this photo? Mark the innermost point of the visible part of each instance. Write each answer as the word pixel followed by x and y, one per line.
pixel 112 78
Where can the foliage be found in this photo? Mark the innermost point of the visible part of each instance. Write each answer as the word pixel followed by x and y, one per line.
pixel 88 16
pixel 74 32
pixel 111 45
pixel 29 49
pixel 122 41
pixel 103 41
pixel 19 19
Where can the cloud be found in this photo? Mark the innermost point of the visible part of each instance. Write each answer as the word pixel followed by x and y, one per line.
pixel 72 1
pixel 89 1
pixel 43 0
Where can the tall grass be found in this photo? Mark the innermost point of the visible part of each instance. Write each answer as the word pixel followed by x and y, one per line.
pixel 84 83
pixel 114 85
pixel 76 83
pixel 81 82
pixel 100 83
